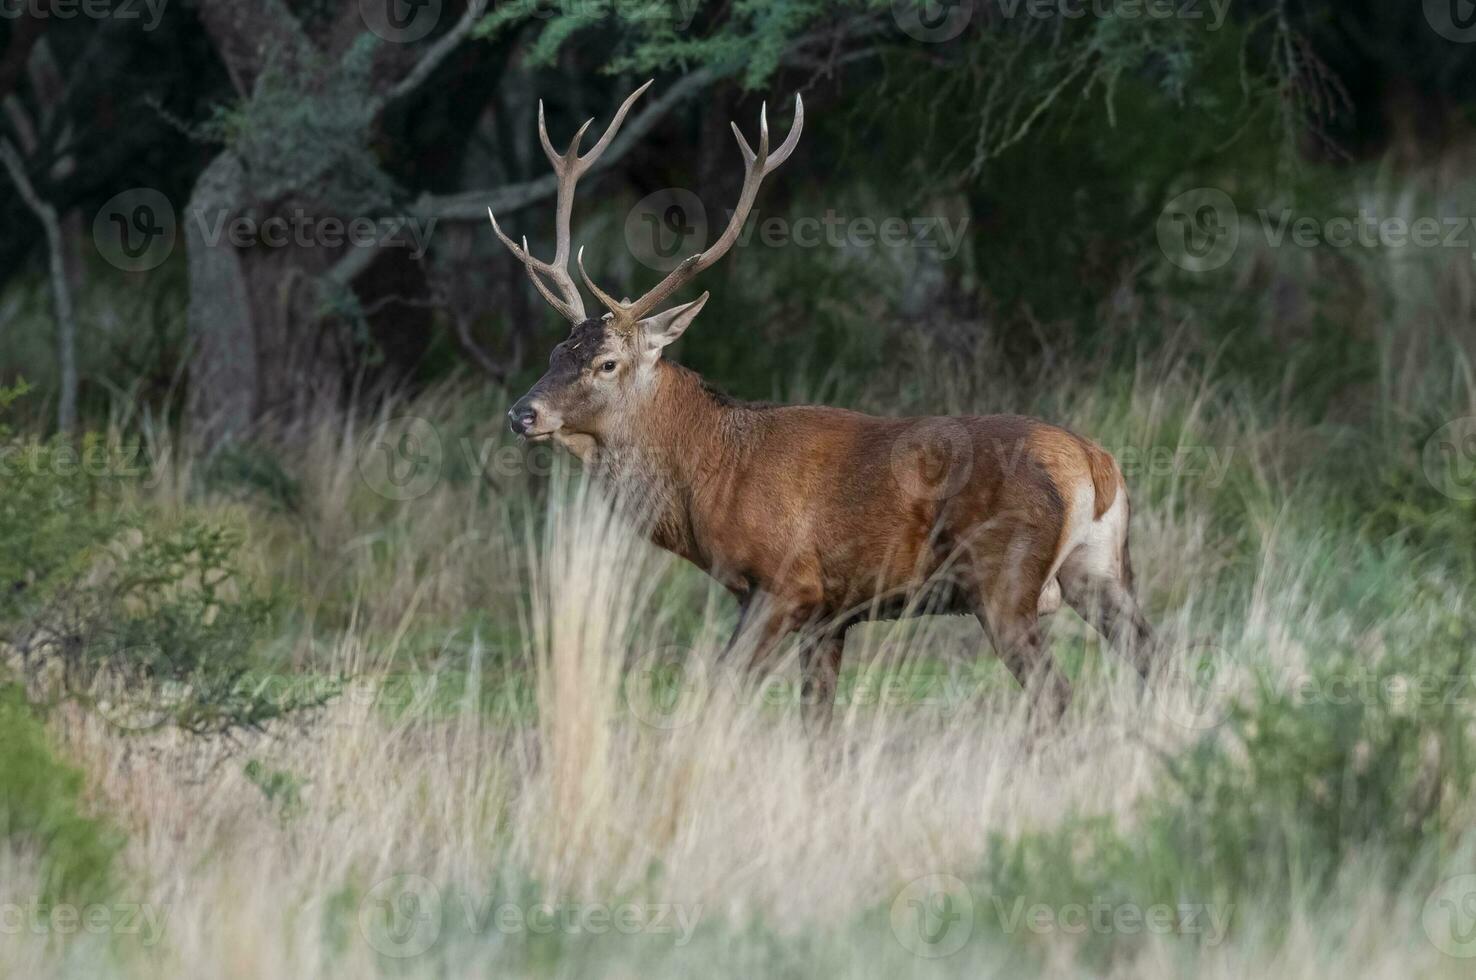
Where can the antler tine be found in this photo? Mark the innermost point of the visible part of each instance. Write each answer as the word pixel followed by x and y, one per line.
pixel 568 167
pixel 559 160
pixel 573 312
pixel 588 160
pixel 790 141
pixel 512 246
pixel 570 311
pixel 785 149
pixel 756 167
pixel 610 302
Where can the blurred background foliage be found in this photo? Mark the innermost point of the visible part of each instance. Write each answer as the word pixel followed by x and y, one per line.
pixel 1055 139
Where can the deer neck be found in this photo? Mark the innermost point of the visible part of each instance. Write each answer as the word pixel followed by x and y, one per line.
pixel 671 436
pixel 666 451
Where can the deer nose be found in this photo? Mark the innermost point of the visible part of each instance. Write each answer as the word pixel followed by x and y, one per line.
pixel 520 417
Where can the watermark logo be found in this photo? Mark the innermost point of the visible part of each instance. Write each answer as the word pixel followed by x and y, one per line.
pixel 400 458
pixel 933 916
pixel 135 230
pixel 666 227
pixel 1449 459
pixel 400 917
pixel 667 687
pixel 1449 917
pixel 1454 20
pixel 401 21
pixel 932 458
pixel 1199 230
pixel 932 21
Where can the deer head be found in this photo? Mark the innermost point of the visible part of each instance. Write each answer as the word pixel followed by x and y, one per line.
pixel 601 375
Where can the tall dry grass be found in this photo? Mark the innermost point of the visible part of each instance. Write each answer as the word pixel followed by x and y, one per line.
pixel 538 725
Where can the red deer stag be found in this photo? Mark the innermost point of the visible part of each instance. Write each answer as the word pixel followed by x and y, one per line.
pixel 817 518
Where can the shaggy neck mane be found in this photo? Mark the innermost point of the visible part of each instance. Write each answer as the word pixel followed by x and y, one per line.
pixel 676 438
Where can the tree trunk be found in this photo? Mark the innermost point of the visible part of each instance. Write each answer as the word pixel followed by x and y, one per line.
pixel 223 357
pixel 61 296
pixel 261 350
pixel 264 349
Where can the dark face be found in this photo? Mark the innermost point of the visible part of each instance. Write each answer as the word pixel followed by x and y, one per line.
pixel 590 378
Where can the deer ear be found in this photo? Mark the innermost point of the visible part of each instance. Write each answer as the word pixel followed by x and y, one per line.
pixel 664 328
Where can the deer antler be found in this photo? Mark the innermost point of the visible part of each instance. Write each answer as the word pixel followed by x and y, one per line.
pixel 568 168
pixel 757 167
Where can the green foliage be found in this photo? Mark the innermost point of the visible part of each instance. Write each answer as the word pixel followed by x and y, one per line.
pixel 150 622
pixel 250 471
pixel 308 137
pixel 1361 762
pixel 281 788
pixel 1359 759
pixel 1433 512
pixel 41 809
pixel 49 518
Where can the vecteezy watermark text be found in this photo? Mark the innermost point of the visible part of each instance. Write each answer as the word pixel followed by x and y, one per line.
pixel 404 915
pixel 1102 917
pixel 95 460
pixel 37 917
pixel 934 916
pixel 147 12
pixel 138 229
pixel 668 225
pixel 1202 228
pixel 937 21
pixel 304 230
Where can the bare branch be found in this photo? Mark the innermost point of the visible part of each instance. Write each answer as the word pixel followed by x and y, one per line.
pixel 472 205
pixel 497 372
pixel 66 325
pixel 438 52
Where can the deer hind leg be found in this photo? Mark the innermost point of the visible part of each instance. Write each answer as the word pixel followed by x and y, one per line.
pixel 1018 639
pixel 1097 582
pixel 1112 610
pixel 1006 570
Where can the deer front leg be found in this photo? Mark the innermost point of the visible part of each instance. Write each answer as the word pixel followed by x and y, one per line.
pixel 821 664
pixel 762 623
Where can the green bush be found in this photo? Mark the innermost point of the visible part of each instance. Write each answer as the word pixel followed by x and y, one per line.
pixel 106 604
pixel 1360 764
pixel 40 809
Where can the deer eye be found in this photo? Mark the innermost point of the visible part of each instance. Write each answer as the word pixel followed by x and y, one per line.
pixel 608 366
